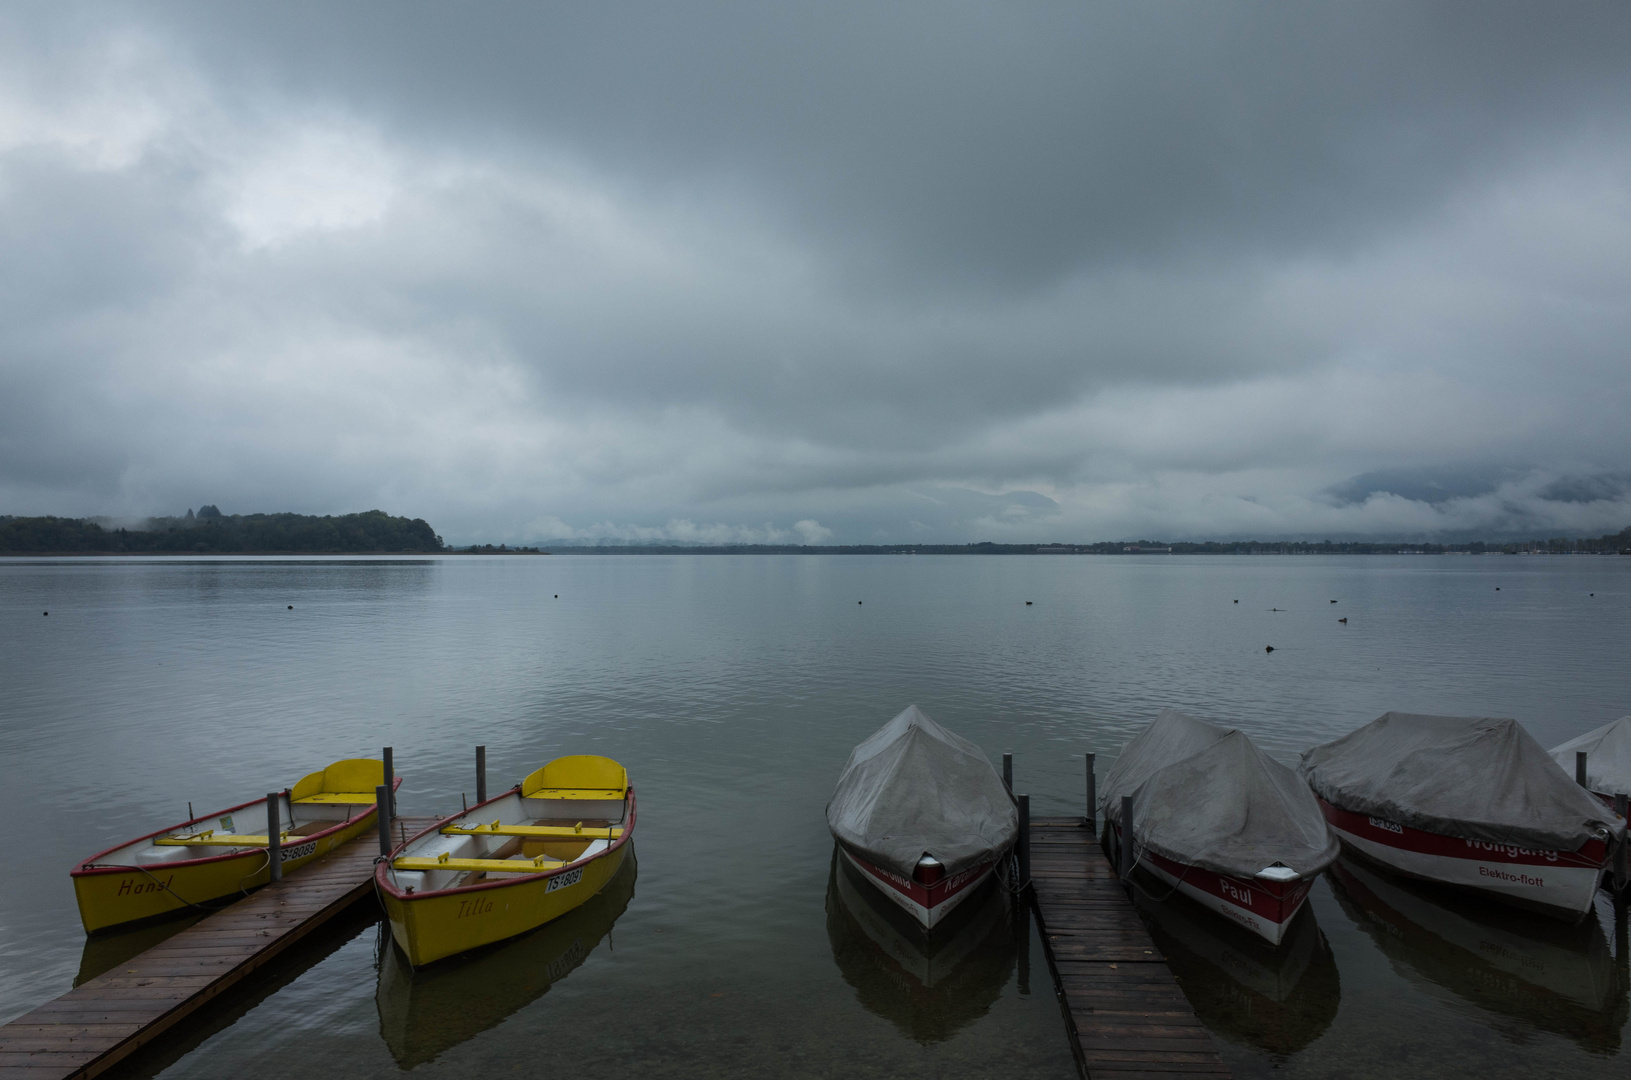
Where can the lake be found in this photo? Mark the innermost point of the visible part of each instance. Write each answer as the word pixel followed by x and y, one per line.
pixel 733 688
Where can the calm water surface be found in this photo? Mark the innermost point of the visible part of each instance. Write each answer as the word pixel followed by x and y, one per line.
pixel 733 689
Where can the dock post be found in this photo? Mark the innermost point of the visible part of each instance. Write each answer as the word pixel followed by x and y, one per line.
pixel 1124 864
pixel 1024 842
pixel 1022 945
pixel 382 800
pixel 274 838
pixel 1580 767
pixel 1092 818
pixel 1008 773
pixel 481 774
pixel 1620 855
pixel 390 789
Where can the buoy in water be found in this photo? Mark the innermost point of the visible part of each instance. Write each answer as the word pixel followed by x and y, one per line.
pixel 1269 648
pixel 1237 601
pixel 291 607
pixel 858 601
pixel 45 613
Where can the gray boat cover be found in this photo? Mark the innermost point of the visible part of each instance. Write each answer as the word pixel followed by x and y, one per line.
pixel 1475 777
pixel 1206 796
pixel 914 788
pixel 1172 737
pixel 1608 757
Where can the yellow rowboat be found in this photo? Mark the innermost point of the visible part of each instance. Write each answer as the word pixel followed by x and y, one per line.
pixel 223 854
pixel 511 863
pixel 424 1012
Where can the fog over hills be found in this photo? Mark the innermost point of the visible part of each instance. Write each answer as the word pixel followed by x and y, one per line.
pixel 837 273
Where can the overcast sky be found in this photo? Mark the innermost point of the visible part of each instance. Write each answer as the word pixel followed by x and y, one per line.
pixel 808 272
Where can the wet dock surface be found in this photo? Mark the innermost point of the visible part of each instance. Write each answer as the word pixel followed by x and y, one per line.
pixel 1128 1016
pixel 107 1018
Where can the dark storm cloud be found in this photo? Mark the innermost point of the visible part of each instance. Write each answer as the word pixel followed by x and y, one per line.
pixel 959 140
pixel 741 271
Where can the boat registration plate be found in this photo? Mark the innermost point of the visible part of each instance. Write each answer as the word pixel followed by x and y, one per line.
pixel 300 851
pixel 561 881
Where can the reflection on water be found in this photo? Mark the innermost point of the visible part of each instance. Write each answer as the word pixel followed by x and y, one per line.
pixel 305 960
pixel 734 688
pixel 423 1013
pixel 105 951
pixel 1278 999
pixel 1527 968
pixel 929 985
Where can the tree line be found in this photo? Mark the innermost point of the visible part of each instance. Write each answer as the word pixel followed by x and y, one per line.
pixel 210 532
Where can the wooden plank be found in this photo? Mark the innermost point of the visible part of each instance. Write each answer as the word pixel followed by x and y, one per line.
pixel 99 1023
pixel 1127 1014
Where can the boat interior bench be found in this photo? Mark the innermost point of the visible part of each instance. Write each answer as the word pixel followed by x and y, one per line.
pixel 579 831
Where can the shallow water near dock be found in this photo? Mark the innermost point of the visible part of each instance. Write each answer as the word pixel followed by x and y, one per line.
pixel 733 688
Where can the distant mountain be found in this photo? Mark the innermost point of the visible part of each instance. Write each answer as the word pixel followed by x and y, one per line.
pixel 211 532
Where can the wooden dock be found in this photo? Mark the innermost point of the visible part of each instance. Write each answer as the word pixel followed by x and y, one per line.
pixel 1128 1018
pixel 104 1020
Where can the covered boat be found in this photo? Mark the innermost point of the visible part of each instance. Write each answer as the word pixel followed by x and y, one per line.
pixel 222 855
pixel 1220 821
pixel 922 815
pixel 1608 759
pixel 1472 801
pixel 511 863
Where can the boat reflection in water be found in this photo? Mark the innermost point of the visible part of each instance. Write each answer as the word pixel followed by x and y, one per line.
pixel 105 951
pixel 426 1012
pixel 1546 974
pixel 929 984
pixel 1279 999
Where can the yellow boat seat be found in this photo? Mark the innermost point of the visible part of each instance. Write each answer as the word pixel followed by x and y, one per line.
pixel 349 782
pixel 211 838
pixel 554 832
pixel 488 866
pixel 580 776
pixel 355 798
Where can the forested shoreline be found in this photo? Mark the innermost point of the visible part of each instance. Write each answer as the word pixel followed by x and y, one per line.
pixel 209 532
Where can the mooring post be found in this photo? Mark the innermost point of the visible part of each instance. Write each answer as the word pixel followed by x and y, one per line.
pixel 382 801
pixel 1008 773
pixel 1580 767
pixel 274 837
pixel 1022 945
pixel 481 774
pixel 1024 843
pixel 390 790
pixel 1622 938
pixel 1092 818
pixel 1620 855
pixel 1125 849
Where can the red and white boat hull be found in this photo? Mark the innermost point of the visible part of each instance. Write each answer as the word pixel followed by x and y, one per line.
pixel 1266 908
pixel 1561 883
pixel 928 904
